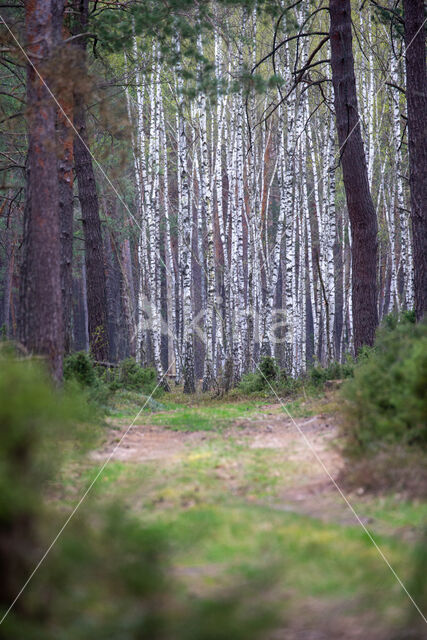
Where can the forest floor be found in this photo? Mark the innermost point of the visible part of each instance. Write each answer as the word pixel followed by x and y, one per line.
pixel 243 498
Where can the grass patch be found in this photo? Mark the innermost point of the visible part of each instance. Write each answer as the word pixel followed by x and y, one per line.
pixel 315 558
pixel 395 512
pixel 213 500
pixel 210 417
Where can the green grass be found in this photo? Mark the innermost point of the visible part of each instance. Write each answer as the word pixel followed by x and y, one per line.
pixel 216 535
pixel 219 502
pixel 313 559
pixel 395 513
pixel 202 412
pixel 211 417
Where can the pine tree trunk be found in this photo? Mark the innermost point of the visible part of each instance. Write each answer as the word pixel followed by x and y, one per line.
pixel 416 96
pixel 88 197
pixel 10 244
pixel 94 253
pixel 41 326
pixel 359 201
pixel 65 136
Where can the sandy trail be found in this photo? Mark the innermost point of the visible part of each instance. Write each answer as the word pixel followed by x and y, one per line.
pixel 270 429
pixel 313 495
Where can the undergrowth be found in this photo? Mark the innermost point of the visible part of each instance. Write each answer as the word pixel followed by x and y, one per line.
pixel 269 378
pixel 386 401
pixel 384 424
pixel 103 384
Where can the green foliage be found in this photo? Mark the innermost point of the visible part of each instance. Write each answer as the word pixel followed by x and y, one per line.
pixel 386 400
pixel 79 366
pixel 252 383
pixel 108 566
pixel 266 374
pixel 318 375
pixel 391 17
pixel 101 383
pixel 268 369
pixel 167 19
pixel 37 424
pixel 269 376
pixel 80 371
pixel 132 376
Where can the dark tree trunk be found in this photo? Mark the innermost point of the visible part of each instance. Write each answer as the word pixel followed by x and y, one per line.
pixel 80 330
pixel 8 278
pixel 41 310
pixel 79 320
pixel 63 90
pixel 361 210
pixel 113 296
pixel 416 97
pixel 94 254
pixel 128 298
pixel 66 201
pixel 65 175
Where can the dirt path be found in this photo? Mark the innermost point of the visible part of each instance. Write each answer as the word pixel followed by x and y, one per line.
pixel 270 429
pixel 149 442
pixel 313 494
pixel 230 455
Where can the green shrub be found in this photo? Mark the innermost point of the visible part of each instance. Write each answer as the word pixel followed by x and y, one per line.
pixel 136 377
pixel 100 383
pixel 386 401
pixel 288 385
pixel 268 368
pixel 130 375
pixel 252 383
pixel 80 369
pixel 79 366
pixel 270 376
pixel 318 375
pixel 265 375
pixel 39 425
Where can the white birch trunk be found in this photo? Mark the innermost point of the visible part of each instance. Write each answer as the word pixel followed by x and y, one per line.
pixel 185 249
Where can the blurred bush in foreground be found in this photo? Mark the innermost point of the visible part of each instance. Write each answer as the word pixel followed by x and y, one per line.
pixel 109 575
